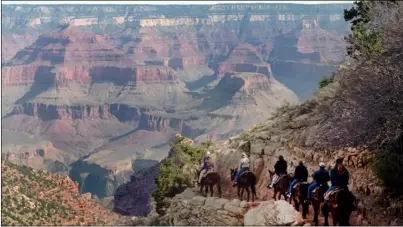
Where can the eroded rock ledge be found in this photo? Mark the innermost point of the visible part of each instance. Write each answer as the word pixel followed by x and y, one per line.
pixel 190 208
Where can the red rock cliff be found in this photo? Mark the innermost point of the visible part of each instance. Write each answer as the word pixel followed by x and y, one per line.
pixel 244 58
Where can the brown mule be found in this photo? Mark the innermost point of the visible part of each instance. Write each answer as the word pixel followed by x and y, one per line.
pixel 317 203
pixel 341 203
pixel 246 180
pixel 281 186
pixel 208 181
pixel 300 197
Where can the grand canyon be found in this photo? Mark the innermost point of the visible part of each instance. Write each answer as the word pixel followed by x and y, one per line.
pixel 97 92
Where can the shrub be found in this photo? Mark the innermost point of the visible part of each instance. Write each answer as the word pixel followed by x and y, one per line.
pixel 324 81
pixel 388 166
pixel 172 178
pixel 207 144
pixel 368 107
pixel 364 41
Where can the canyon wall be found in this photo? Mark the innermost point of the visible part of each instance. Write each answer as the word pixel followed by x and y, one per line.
pixel 109 85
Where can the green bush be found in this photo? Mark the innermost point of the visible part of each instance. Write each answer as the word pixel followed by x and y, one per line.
pixel 324 81
pixel 388 167
pixel 207 144
pixel 172 179
pixel 364 41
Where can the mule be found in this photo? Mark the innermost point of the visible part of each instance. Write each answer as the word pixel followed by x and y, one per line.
pixel 341 204
pixel 208 181
pixel 317 198
pixel 300 197
pixel 245 181
pixel 281 186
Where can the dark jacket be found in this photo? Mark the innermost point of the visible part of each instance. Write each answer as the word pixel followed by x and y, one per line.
pixel 280 167
pixel 301 173
pixel 339 180
pixel 321 176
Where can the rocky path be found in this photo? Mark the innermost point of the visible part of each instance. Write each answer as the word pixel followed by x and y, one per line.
pixel 310 216
pixel 309 219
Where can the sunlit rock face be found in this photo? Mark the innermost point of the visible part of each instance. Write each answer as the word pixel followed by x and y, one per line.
pixel 110 86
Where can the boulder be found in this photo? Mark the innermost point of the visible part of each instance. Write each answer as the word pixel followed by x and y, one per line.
pixel 219 203
pixel 234 209
pixel 273 213
pixel 198 201
pixel 189 193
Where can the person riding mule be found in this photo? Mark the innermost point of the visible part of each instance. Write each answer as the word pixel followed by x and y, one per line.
pixel 339 178
pixel 316 191
pixel 338 200
pixel 243 166
pixel 300 175
pixel 280 169
pixel 320 178
pixel 208 166
pixel 206 155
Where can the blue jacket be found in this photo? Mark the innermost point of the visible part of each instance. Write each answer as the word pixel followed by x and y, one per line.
pixel 339 180
pixel 321 176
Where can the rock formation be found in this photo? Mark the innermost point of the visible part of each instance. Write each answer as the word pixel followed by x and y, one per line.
pixel 189 208
pixel 110 93
pixel 272 213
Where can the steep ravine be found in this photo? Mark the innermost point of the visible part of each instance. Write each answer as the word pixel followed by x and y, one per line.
pixel 101 181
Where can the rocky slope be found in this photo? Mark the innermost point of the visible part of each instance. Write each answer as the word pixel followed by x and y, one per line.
pixel 291 133
pixel 109 85
pixel 287 134
pixel 189 208
pixel 32 197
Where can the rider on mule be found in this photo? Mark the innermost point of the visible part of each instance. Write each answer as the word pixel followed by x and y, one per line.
pixel 243 166
pixel 320 177
pixel 207 154
pixel 208 165
pixel 300 175
pixel 339 177
pixel 280 168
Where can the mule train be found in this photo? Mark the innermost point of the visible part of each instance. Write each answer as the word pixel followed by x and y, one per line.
pixel 336 199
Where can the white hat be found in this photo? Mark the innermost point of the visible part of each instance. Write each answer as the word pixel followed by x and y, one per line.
pixel 322 164
pixel 208 153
